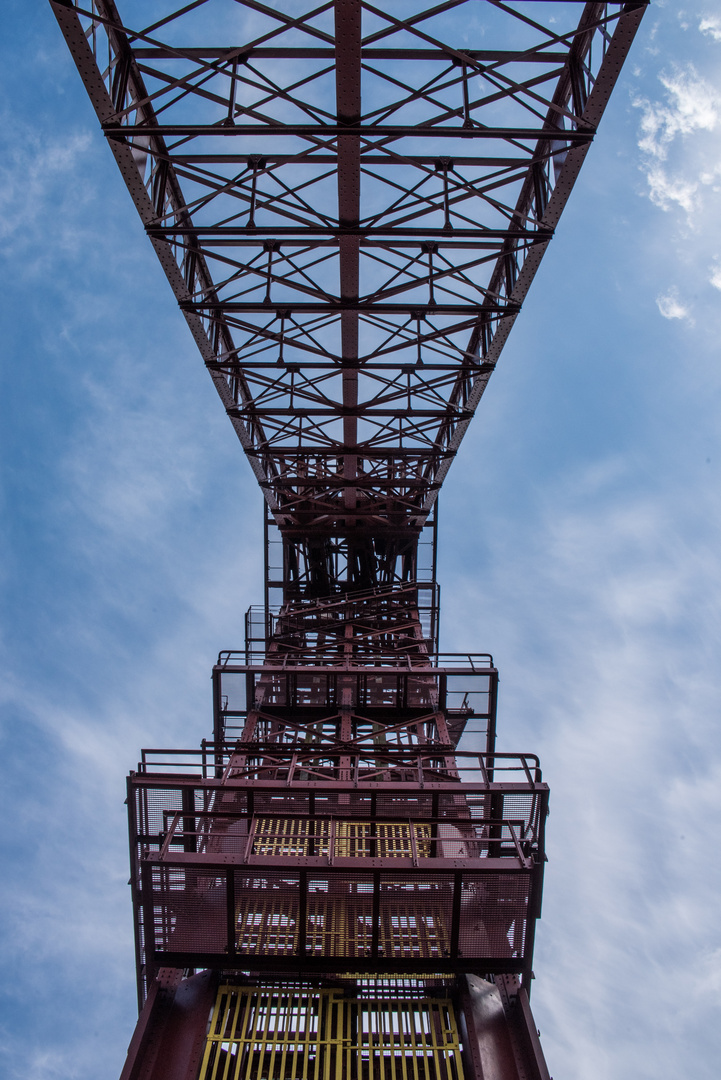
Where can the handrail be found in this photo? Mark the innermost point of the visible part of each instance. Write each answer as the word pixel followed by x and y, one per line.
pixel 329 841
pixel 335 659
pixel 264 757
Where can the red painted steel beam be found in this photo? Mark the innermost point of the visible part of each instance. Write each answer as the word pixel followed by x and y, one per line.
pixel 348 109
pixel 270 274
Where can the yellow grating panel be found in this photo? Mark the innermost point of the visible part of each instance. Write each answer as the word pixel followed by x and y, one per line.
pixel 267 925
pixel 284 1034
pixel 412 926
pixel 410 936
pixel 353 839
pixel 289 836
pixel 394 840
pixel 408 1039
pixel 339 927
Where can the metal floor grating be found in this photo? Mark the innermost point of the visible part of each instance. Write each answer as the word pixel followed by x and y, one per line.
pixel 302 1034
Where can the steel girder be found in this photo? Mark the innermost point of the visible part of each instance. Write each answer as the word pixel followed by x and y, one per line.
pixel 350 204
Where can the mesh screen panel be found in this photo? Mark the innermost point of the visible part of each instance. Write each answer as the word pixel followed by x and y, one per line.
pixel 189 910
pixel 414 806
pixel 155 805
pixel 493 915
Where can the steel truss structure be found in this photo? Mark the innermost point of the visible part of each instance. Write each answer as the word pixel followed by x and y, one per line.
pixel 332 842
pixel 350 204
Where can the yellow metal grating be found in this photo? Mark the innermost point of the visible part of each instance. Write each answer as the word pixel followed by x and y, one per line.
pixel 411 926
pixel 350 839
pixel 339 927
pixel 268 926
pixel 408 935
pixel 261 1033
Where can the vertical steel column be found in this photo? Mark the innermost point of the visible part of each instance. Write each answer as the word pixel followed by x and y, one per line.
pixel 348 109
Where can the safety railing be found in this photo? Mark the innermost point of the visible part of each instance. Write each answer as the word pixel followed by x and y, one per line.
pixel 468 688
pixel 243 660
pixel 248 762
pixel 267 840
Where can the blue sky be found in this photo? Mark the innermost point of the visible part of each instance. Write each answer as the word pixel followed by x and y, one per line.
pixel 579 543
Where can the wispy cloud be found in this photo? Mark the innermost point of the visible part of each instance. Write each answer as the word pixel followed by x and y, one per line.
pixel 711 26
pixel 672 307
pixel 44 188
pixel 690 107
pixel 679 146
pixel 666 190
pixel 691 104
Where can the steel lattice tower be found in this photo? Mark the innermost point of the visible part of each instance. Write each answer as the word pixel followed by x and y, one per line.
pixel 350 204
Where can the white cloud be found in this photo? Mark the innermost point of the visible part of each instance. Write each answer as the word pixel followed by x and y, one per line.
pixel 711 26
pixel 680 145
pixel 691 105
pixel 666 190
pixel 671 307
pixel 707 177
